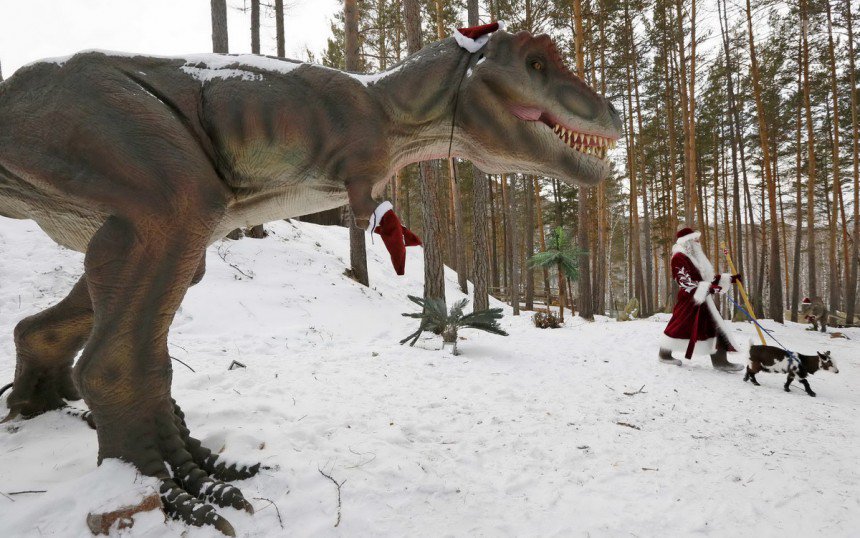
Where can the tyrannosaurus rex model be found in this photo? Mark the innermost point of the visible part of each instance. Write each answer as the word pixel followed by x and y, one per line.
pixel 142 162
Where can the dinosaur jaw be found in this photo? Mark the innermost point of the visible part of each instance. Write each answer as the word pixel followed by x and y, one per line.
pixel 590 144
pixel 587 142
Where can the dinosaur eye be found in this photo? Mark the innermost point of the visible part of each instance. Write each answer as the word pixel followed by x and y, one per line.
pixel 537 65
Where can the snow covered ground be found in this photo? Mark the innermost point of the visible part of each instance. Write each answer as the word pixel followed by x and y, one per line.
pixel 529 435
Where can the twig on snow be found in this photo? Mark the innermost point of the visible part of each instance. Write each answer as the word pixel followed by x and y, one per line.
pixel 336 523
pixel 280 521
pixel 28 491
pixel 223 256
pixel 640 391
pixel 8 497
pixel 182 363
pixel 362 456
pixel 628 425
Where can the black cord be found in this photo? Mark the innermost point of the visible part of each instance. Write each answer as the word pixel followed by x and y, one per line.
pixel 456 102
pixel 5 388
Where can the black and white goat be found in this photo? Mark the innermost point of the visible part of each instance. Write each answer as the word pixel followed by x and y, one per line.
pixel 774 359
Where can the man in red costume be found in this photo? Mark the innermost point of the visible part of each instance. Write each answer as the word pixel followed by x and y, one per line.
pixel 696 327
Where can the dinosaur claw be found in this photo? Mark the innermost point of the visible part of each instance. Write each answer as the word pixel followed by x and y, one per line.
pixel 13 413
pixel 224 527
pixel 246 506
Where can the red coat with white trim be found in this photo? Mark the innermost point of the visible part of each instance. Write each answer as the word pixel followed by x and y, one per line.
pixel 695 320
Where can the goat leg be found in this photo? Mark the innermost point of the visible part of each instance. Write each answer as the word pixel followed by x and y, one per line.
pixel 807 387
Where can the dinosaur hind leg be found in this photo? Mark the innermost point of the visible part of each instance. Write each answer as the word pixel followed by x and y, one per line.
pixel 137 280
pixel 46 344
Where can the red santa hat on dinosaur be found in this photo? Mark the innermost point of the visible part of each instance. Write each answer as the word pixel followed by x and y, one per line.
pixel 474 38
pixel 696 323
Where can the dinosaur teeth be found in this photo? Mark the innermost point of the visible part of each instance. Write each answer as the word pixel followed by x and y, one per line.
pixel 588 144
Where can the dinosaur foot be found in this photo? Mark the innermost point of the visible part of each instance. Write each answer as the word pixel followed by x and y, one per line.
pixel 154 437
pixel 201 481
pixel 182 505
pixel 38 389
pixel 213 464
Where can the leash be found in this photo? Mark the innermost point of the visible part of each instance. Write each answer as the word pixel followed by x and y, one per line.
pixel 742 309
pixel 792 356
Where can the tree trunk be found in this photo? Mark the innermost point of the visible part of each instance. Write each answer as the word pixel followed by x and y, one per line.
pixel 528 193
pixel 279 27
pixel 586 308
pixel 561 294
pixel 255 26
pixel 434 249
pixel 689 158
pixel 795 280
pixel 647 304
pixel 542 238
pixel 738 252
pixel 837 183
pixel 601 273
pixel 480 199
pixel 810 134
pixel 693 169
pixel 357 246
pixel 472 8
pixel 219 26
pixel 457 239
pixel 494 239
pixel 775 305
pixel 851 288
pixel 636 255
pixel 513 244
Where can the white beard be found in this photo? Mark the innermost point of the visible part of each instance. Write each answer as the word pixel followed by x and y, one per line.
pixel 693 251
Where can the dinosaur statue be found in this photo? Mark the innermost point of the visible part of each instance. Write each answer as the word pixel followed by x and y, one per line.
pixel 142 162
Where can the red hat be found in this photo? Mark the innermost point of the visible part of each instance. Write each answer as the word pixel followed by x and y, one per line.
pixel 806 300
pixel 475 37
pixel 395 236
pixel 686 234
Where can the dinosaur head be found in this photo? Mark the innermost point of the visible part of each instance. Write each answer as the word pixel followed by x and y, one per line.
pixel 522 110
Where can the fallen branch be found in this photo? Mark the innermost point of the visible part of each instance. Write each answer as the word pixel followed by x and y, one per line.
pixel 182 363
pixel 280 521
pixel 640 391
pixel 27 491
pixel 223 256
pixel 338 493
pixel 628 425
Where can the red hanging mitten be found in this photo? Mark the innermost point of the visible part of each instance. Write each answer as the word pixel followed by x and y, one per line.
pixel 395 236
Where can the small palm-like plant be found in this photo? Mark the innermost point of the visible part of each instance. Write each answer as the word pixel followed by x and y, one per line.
pixel 562 256
pixel 436 319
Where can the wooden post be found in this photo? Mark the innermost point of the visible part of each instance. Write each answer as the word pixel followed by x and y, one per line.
pixel 743 293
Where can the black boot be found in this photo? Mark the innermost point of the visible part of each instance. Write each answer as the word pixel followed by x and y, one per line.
pixel 721 362
pixel 666 357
